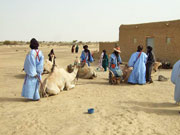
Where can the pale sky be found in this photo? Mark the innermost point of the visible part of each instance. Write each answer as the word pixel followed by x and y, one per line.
pixel 83 20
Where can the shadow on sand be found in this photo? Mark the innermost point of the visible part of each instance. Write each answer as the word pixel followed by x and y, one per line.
pixel 93 82
pixel 20 76
pixel 96 82
pixel 151 104
pixel 165 108
pixel 105 83
pixel 7 99
pixel 157 111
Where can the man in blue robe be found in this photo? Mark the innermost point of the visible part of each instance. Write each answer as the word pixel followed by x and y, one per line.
pixel 138 62
pixel 175 78
pixel 33 66
pixel 115 61
pixel 86 56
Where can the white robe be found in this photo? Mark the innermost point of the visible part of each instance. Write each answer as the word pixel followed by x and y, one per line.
pixel 175 78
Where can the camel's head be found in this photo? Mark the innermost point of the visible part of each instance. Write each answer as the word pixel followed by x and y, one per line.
pixel 70 68
pixel 156 66
pixel 47 66
pixel 80 64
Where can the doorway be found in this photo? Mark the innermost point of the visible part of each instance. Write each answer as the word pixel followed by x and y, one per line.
pixel 150 42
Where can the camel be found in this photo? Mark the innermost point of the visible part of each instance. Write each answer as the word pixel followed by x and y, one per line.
pixel 126 73
pixel 117 80
pixel 113 79
pixel 84 71
pixel 156 65
pixel 58 79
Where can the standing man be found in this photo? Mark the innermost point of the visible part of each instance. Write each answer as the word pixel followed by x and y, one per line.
pixel 105 61
pixel 86 56
pixel 33 66
pixel 175 78
pixel 72 49
pixel 77 48
pixel 149 64
pixel 138 62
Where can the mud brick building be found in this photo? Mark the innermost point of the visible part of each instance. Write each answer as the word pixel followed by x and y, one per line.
pixel 164 37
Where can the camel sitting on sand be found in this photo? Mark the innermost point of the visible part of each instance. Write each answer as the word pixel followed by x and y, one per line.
pixel 58 79
pixel 84 71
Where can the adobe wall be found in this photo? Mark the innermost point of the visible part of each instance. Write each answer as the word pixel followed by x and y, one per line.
pixel 108 46
pixel 159 31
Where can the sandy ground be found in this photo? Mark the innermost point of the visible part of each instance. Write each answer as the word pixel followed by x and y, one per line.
pixel 119 110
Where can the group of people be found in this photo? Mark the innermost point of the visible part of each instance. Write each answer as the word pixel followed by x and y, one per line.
pixel 34 66
pixel 75 48
pixel 142 66
pixel 141 62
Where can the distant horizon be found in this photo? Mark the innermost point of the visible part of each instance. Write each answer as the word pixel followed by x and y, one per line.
pixel 87 41
pixel 53 41
pixel 68 20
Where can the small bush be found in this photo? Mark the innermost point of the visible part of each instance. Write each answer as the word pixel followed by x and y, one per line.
pixel 7 42
pixel 14 43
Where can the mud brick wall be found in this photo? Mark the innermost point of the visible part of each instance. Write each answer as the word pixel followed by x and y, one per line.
pixel 108 46
pixel 130 36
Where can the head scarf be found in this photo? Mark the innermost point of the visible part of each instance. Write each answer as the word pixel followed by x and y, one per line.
pixel 149 49
pixel 139 48
pixel 34 44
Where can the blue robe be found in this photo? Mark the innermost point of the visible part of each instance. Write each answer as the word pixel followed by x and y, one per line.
pixel 85 57
pixel 175 78
pixel 138 75
pixel 113 60
pixel 32 66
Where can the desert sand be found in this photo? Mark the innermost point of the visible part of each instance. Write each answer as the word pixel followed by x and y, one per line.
pixel 119 109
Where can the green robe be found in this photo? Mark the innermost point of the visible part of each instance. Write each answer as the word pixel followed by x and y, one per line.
pixel 105 61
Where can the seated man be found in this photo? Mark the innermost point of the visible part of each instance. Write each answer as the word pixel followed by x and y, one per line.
pixel 86 56
pixel 114 63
